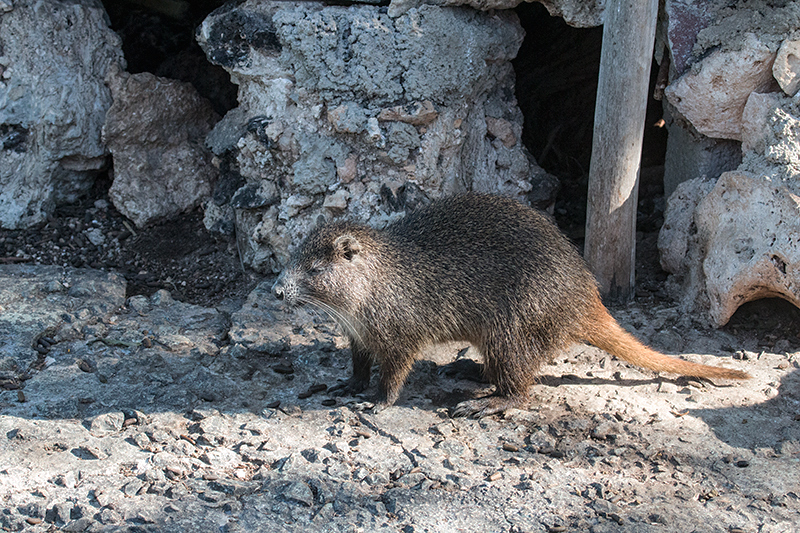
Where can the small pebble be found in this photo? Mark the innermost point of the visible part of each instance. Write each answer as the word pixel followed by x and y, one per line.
pixel 86 366
pixel 283 368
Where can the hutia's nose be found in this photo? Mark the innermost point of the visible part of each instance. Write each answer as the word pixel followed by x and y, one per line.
pixel 277 289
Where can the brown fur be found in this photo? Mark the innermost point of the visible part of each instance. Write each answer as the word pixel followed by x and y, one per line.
pixel 476 268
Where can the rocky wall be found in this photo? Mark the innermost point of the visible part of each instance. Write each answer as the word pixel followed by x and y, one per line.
pixel 351 110
pixel 577 13
pixel 52 103
pixel 730 230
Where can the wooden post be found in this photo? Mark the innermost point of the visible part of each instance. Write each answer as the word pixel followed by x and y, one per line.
pixel 610 247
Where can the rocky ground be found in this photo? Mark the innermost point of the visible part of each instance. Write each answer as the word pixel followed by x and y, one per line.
pixel 143 392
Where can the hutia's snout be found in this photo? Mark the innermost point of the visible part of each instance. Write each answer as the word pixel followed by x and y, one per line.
pixel 279 288
pixel 285 287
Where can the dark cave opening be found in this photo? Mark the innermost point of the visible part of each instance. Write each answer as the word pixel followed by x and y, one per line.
pixel 557 70
pixel 159 38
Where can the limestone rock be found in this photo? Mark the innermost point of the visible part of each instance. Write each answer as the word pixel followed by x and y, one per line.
pixel 735 241
pixel 577 13
pixel 786 68
pixel 53 59
pixel 755 121
pixel 678 244
pixel 155 130
pixel 676 233
pixel 749 228
pixel 712 98
pixel 348 111
pixel 771 139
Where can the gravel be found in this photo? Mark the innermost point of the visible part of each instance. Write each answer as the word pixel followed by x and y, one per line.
pixel 135 405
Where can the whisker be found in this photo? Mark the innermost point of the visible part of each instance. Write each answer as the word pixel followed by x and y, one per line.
pixel 348 323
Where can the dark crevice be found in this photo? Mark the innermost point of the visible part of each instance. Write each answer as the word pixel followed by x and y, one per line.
pixel 161 41
pixel 557 70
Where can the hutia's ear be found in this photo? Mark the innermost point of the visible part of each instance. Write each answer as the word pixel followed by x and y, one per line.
pixel 348 246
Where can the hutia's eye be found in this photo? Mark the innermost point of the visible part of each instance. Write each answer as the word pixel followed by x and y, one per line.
pixel 316 268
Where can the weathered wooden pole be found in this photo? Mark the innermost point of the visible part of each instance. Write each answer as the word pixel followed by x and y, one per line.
pixel 610 247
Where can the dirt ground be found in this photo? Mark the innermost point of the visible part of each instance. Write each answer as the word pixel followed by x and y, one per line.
pixel 206 411
pixel 179 255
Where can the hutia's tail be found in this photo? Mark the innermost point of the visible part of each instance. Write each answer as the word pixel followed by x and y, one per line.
pixel 605 333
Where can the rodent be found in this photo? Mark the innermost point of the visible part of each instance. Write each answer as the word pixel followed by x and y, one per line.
pixel 474 267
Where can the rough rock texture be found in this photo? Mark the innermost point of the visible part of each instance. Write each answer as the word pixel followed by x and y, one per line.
pixel 721 53
pixel 786 68
pixel 156 130
pixel 750 230
pixel 678 244
pixel 754 121
pixel 735 241
pixel 578 13
pixel 731 242
pixel 709 43
pixel 348 110
pixel 697 95
pixel 773 139
pixel 152 420
pixel 43 305
pixel 52 103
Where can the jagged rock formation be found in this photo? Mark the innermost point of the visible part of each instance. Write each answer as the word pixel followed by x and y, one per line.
pixel 351 110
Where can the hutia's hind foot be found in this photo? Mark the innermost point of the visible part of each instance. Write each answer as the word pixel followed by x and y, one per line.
pixel 351 387
pixel 489 405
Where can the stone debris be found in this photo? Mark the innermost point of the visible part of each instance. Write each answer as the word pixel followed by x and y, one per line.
pixel 185 435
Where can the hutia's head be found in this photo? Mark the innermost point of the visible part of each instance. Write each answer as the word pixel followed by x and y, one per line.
pixel 331 266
